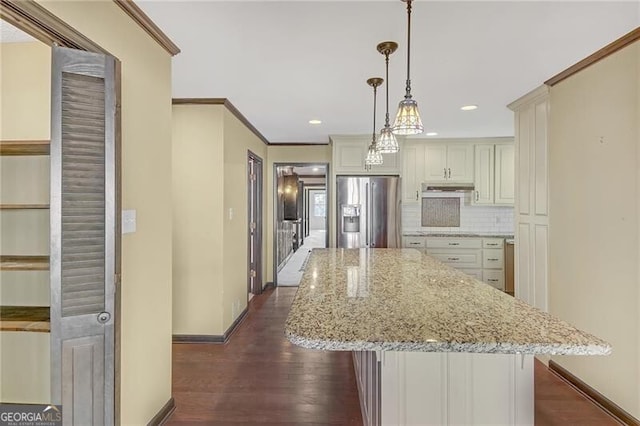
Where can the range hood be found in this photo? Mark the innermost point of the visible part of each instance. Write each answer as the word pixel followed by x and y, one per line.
pixel 447 187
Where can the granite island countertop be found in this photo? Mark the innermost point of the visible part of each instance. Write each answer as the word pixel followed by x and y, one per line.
pixel 405 300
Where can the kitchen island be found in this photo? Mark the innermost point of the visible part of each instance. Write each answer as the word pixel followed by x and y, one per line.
pixel 431 344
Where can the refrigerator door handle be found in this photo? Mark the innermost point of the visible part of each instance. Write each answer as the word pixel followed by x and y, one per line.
pixel 366 204
pixel 372 242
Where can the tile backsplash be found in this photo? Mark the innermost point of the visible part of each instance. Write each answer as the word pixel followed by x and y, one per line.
pixel 473 219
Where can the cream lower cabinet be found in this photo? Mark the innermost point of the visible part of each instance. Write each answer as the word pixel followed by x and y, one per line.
pixel 481 258
pixel 493 262
pixel 432 388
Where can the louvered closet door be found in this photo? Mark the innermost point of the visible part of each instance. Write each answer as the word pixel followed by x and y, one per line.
pixel 83 222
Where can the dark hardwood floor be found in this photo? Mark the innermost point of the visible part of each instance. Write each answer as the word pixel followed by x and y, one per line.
pixel 559 404
pixel 258 377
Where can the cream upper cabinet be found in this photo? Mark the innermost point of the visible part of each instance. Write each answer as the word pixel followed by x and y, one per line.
pixel 484 174
pixel 460 163
pixel 505 174
pixel 494 174
pixel 349 153
pixel 436 163
pixel 413 170
pixel 449 162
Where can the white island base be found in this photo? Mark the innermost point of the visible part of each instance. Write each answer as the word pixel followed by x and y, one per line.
pixel 433 388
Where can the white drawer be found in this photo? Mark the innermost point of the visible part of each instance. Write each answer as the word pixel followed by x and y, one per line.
pixel 475 273
pixel 493 258
pixel 458 258
pixel 447 242
pixel 494 278
pixel 492 243
pixel 414 242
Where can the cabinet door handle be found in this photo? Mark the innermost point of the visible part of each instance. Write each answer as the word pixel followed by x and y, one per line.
pixel 417 196
pixel 453 258
pixel 449 173
pixel 477 196
pixel 445 172
pixel 493 260
pixel 492 280
pixel 492 244
pixel 454 244
pixel 414 244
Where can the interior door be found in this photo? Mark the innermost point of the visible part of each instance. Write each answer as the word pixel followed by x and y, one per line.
pixel 317 209
pixel 255 224
pixel 83 237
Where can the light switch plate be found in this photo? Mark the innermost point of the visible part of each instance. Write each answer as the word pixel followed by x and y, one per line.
pixel 128 221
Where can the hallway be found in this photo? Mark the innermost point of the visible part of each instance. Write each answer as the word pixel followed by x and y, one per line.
pixel 258 377
pixel 291 272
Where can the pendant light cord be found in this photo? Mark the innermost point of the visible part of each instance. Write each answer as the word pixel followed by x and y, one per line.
pixel 375 90
pixel 408 94
pixel 386 59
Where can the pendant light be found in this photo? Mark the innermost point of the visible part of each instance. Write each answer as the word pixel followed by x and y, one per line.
pixel 408 120
pixel 373 156
pixel 387 143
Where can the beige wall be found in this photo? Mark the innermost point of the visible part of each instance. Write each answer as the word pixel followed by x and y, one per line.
pixel 286 154
pixel 25 87
pixel 26 90
pixel 237 140
pixel 594 162
pixel 198 186
pixel 146 179
pixel 637 379
pixel 210 147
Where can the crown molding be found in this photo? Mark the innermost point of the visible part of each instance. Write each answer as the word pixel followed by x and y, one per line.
pixel 609 49
pixel 538 94
pixel 298 143
pixel 143 20
pixel 226 103
pixel 43 25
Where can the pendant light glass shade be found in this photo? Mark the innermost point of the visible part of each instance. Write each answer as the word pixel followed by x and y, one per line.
pixel 387 143
pixel 374 157
pixel 408 121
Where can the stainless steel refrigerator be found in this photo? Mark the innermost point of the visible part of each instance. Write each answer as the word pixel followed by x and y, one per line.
pixel 368 211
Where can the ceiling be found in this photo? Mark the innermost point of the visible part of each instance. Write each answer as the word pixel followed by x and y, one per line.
pixel 282 63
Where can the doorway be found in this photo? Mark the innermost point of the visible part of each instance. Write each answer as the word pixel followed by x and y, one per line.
pixel 300 217
pixel 62 192
pixel 254 224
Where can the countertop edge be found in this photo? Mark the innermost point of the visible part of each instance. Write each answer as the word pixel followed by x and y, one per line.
pixel 485 348
pixel 461 235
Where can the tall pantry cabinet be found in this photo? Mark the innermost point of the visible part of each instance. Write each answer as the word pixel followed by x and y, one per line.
pixel 532 197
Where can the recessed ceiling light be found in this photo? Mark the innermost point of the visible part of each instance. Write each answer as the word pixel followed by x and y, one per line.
pixel 469 107
pixel 315 169
pixel 314 121
pixel 432 133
